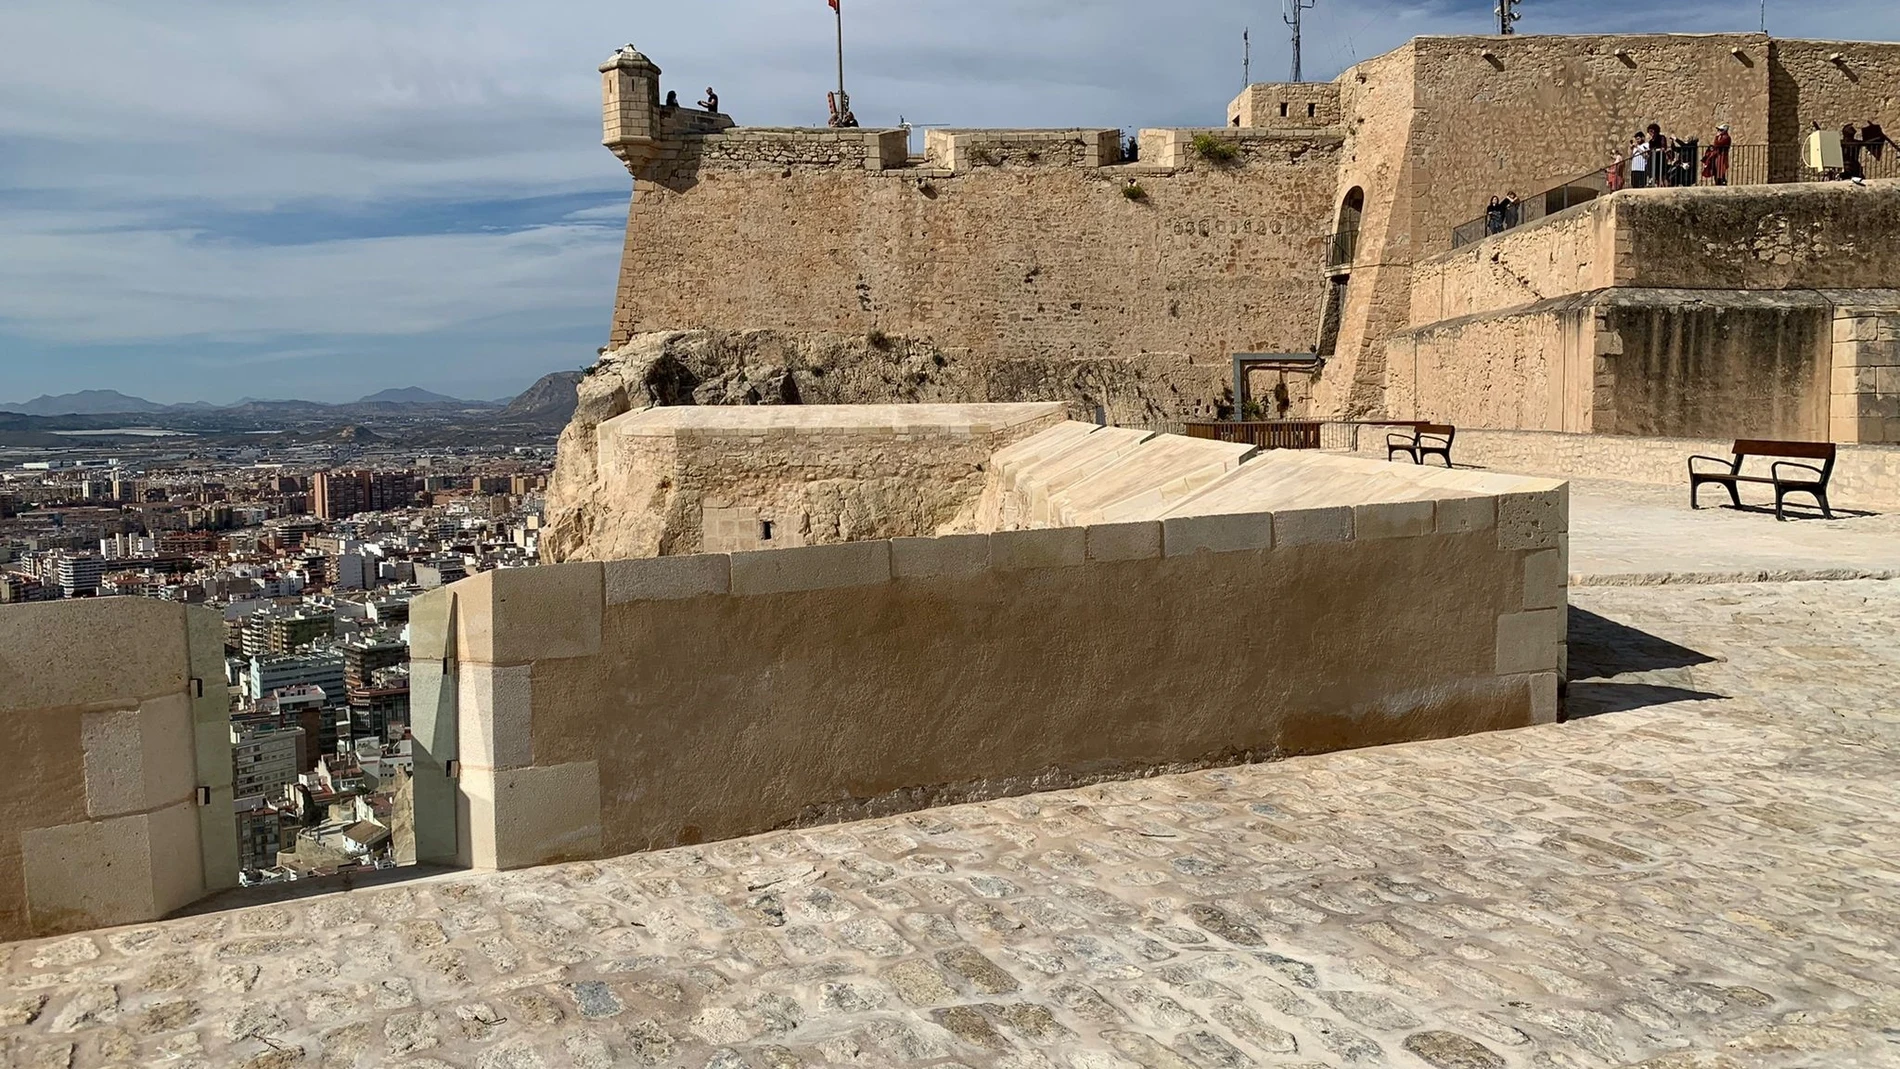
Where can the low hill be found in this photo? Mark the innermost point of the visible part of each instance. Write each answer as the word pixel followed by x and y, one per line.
pixel 552 399
pixel 410 395
pixel 83 403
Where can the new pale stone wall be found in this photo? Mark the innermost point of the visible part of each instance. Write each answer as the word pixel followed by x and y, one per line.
pixel 113 719
pixel 596 709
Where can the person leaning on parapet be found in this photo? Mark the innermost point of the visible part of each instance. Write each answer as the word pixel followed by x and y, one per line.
pixel 711 103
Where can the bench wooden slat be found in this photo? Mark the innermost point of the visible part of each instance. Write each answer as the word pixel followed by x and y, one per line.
pixel 1762 447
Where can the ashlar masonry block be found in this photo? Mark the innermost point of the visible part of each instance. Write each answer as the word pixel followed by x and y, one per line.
pixel 668 578
pixel 1312 526
pixel 947 555
pixel 115 871
pixel 1053 547
pixel 518 615
pixel 1456 515
pixel 496 714
pixel 1545 579
pixel 1392 519
pixel 1218 533
pixel 779 571
pixel 1125 541
pixel 1533 520
pixel 1531 641
pixel 533 816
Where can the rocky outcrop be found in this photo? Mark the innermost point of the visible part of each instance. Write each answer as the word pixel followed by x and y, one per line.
pixel 771 367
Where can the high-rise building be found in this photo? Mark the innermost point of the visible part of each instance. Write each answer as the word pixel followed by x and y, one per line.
pixel 268 674
pixel 263 759
pixel 338 495
pixel 363 657
pixel 79 574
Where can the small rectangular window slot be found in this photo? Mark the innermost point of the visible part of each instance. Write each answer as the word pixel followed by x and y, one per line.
pixel 1283 110
pixel 765 530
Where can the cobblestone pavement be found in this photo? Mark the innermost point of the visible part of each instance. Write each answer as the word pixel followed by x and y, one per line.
pixel 1620 531
pixel 1706 877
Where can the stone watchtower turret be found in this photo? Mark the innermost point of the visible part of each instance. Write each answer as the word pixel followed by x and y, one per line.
pixel 630 98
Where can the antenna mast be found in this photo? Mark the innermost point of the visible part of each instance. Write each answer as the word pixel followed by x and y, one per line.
pixel 1246 64
pixel 1507 16
pixel 1292 18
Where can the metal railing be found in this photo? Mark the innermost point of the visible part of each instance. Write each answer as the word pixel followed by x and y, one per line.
pixel 1341 247
pixel 1687 165
pixel 1266 434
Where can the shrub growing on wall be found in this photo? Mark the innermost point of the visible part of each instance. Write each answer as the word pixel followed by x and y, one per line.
pixel 1215 149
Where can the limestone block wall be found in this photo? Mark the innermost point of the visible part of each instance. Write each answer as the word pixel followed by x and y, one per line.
pixel 678 480
pixel 965 150
pixel 607 708
pixel 1865 389
pixel 1037 271
pixel 1284 104
pixel 115 763
pixel 1534 366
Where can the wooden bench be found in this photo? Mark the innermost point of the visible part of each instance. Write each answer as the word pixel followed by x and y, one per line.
pixel 1423 440
pixel 1786 476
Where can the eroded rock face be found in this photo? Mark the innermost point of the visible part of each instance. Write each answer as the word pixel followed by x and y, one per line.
pixel 625 518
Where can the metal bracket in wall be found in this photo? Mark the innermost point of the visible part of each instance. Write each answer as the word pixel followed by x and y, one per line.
pixel 204 796
pixel 452 768
pixel 197 687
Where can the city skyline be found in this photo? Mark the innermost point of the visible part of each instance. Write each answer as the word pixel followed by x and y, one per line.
pixel 285 204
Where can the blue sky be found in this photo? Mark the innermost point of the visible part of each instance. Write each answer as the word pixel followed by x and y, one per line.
pixel 209 199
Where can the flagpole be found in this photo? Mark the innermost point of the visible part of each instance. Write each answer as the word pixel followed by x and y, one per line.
pixel 837 8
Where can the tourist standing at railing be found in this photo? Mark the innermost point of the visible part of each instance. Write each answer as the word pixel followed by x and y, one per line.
pixel 1615 177
pixel 1875 140
pixel 1850 154
pixel 1716 165
pixel 1658 156
pixel 1639 160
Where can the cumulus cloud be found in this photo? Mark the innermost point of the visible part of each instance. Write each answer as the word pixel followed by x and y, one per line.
pixel 211 198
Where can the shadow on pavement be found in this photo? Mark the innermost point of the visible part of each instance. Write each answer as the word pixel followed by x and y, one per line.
pixel 1596 697
pixel 1601 648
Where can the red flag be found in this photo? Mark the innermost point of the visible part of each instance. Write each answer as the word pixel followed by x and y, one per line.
pixel 834 5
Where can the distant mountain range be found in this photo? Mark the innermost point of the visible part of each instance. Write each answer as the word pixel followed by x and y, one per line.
pixel 541 399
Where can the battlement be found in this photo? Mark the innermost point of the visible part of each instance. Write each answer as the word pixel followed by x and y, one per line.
pixel 965 150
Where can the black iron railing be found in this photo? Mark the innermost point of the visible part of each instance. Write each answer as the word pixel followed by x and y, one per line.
pixel 1689 163
pixel 1341 247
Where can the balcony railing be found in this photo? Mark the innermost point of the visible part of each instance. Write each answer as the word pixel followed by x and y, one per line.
pixel 1341 247
pixel 1685 166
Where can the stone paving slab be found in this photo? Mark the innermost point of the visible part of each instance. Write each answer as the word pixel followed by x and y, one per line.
pixel 1635 533
pixel 1687 883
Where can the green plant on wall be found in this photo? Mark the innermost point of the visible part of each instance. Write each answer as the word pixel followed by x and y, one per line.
pixel 1215 149
pixel 1133 191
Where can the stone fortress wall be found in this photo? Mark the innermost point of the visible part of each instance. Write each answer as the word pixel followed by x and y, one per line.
pixel 1001 248
pixel 115 763
pixel 1063 641
pixel 1746 311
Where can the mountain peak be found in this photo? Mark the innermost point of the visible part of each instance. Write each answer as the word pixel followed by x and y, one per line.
pixel 83 403
pixel 410 395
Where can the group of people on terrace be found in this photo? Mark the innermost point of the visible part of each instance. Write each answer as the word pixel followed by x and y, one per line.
pixel 1653 158
pixel 1869 143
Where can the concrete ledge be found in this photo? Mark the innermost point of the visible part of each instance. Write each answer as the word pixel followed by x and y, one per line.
pixel 1053 547
pixel 1310 526
pixel 1225 533
pixel 946 555
pixel 1124 541
pixel 667 578
pixel 781 571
